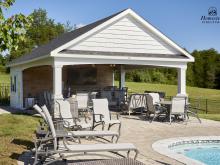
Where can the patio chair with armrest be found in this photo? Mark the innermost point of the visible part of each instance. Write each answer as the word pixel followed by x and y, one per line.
pixel 102 115
pixel 189 108
pixel 48 147
pixel 74 123
pixel 83 100
pixel 178 108
pixel 156 98
pixel 193 113
pixel 135 103
pixel 152 108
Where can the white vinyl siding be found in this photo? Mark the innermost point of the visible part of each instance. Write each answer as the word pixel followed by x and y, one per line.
pixel 125 35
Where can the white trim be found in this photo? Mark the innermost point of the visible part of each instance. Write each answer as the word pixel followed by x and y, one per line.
pixel 88 60
pixel 28 61
pixel 114 19
pixel 65 55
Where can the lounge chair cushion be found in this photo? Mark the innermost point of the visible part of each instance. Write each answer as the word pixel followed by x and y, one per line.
pixel 100 147
pixel 93 133
pixel 86 125
pixel 112 122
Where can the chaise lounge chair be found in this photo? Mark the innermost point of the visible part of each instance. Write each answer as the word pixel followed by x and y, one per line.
pixel 72 122
pixel 48 147
pixel 79 134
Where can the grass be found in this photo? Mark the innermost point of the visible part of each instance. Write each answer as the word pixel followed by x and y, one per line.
pixel 171 90
pixel 16 136
pixel 4 78
pixel 215 117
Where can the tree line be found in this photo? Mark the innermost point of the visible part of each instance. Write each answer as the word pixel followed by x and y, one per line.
pixel 204 72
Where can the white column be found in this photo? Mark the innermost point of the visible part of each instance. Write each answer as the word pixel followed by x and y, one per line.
pixel 20 89
pixel 57 82
pixel 182 82
pixel 16 96
pixel 122 76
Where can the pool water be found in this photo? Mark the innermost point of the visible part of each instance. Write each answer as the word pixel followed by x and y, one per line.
pixel 207 153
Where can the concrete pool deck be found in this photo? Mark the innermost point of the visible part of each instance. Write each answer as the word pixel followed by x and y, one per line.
pixel 143 134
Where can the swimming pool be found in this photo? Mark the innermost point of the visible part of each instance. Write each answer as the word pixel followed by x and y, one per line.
pixel 191 150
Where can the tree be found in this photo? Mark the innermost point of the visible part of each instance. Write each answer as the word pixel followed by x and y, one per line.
pixel 217 77
pixel 205 71
pixel 42 30
pixel 12 30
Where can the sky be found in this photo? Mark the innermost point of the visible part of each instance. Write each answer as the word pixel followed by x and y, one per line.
pixel 179 20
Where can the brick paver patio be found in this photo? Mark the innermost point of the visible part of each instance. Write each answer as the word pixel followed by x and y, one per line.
pixel 142 133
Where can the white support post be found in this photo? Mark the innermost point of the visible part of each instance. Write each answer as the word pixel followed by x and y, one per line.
pixel 122 77
pixel 182 81
pixel 57 82
pixel 20 89
pixel 16 95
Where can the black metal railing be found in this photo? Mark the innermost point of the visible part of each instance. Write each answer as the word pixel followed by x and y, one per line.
pixel 203 105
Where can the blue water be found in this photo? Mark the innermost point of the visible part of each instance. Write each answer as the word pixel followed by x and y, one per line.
pixel 205 153
pixel 209 156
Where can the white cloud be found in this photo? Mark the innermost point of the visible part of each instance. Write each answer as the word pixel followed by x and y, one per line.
pixel 77 26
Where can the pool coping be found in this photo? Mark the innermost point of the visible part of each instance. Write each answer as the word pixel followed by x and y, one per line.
pixel 163 147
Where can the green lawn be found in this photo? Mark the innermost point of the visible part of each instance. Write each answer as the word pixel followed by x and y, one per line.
pixel 213 96
pixel 16 136
pixel 4 78
pixel 171 90
pixel 215 117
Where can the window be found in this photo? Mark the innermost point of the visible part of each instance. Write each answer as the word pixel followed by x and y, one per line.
pixel 13 83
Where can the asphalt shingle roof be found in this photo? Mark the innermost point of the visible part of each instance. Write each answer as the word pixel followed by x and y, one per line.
pixel 45 50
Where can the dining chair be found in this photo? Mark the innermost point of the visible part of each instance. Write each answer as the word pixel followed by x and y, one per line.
pixel 157 111
pixel 83 100
pixel 178 108
pixel 156 98
pixel 102 115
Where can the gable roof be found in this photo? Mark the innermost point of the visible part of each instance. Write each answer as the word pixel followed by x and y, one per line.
pixel 66 38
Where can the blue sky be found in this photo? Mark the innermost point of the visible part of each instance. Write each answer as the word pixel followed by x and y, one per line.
pixel 179 20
